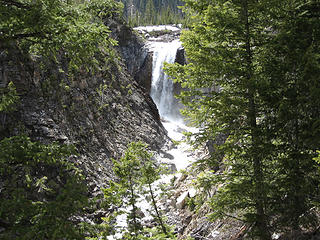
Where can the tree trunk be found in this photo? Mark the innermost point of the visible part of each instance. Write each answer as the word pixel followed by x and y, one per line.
pixel 164 230
pixel 134 214
pixel 261 219
pixel 296 190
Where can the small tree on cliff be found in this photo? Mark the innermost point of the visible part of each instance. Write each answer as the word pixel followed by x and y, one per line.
pixel 136 172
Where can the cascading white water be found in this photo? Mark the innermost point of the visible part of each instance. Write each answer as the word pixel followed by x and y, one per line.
pixel 162 93
pixel 162 86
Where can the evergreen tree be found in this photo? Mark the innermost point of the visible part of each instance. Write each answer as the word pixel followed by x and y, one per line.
pixel 127 169
pixel 221 49
pixel 150 12
pixel 291 82
pixel 40 192
pixel 149 174
pixel 247 83
pixel 8 102
pixel 136 172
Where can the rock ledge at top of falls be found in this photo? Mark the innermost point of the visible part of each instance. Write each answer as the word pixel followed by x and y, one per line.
pixel 160 33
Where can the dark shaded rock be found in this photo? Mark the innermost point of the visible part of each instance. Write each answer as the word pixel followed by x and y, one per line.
pixel 165 154
pixel 144 75
pixel 212 147
pixel 130 46
pixel 180 56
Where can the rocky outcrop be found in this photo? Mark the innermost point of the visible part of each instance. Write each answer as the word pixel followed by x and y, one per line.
pixel 136 56
pixel 161 33
pixel 130 46
pixel 191 219
pixel 180 57
pixel 144 75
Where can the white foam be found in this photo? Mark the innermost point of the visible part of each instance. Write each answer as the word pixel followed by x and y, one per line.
pixel 157 28
pixel 161 85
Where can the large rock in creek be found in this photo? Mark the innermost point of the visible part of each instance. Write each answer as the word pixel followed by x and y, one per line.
pixel 181 200
pixel 144 75
pixel 180 56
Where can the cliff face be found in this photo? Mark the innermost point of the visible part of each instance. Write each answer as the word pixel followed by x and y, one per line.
pixel 135 54
pixel 99 113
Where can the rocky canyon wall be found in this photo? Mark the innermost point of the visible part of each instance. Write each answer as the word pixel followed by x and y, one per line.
pixel 99 113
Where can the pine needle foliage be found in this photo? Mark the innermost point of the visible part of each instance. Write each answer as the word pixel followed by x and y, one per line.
pixel 252 76
pixel 40 190
pixel 46 28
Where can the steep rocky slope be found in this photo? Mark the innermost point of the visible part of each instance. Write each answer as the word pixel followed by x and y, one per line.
pixel 99 113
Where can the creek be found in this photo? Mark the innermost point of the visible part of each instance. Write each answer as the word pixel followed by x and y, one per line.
pixel 162 92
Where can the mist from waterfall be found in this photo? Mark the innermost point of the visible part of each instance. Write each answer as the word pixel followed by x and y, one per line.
pixel 162 91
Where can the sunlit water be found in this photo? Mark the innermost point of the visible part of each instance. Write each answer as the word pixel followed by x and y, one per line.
pixel 161 85
pixel 158 28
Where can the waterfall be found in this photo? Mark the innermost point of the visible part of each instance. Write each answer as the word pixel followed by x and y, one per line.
pixel 162 93
pixel 162 86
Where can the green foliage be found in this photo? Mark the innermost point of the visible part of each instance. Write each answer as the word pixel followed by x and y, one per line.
pixel 157 234
pixel 41 190
pixel 9 99
pixel 8 102
pixel 293 58
pixel 136 172
pixel 253 75
pixel 102 97
pixel 51 27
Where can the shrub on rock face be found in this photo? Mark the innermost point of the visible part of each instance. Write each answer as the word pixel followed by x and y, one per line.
pixel 40 191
